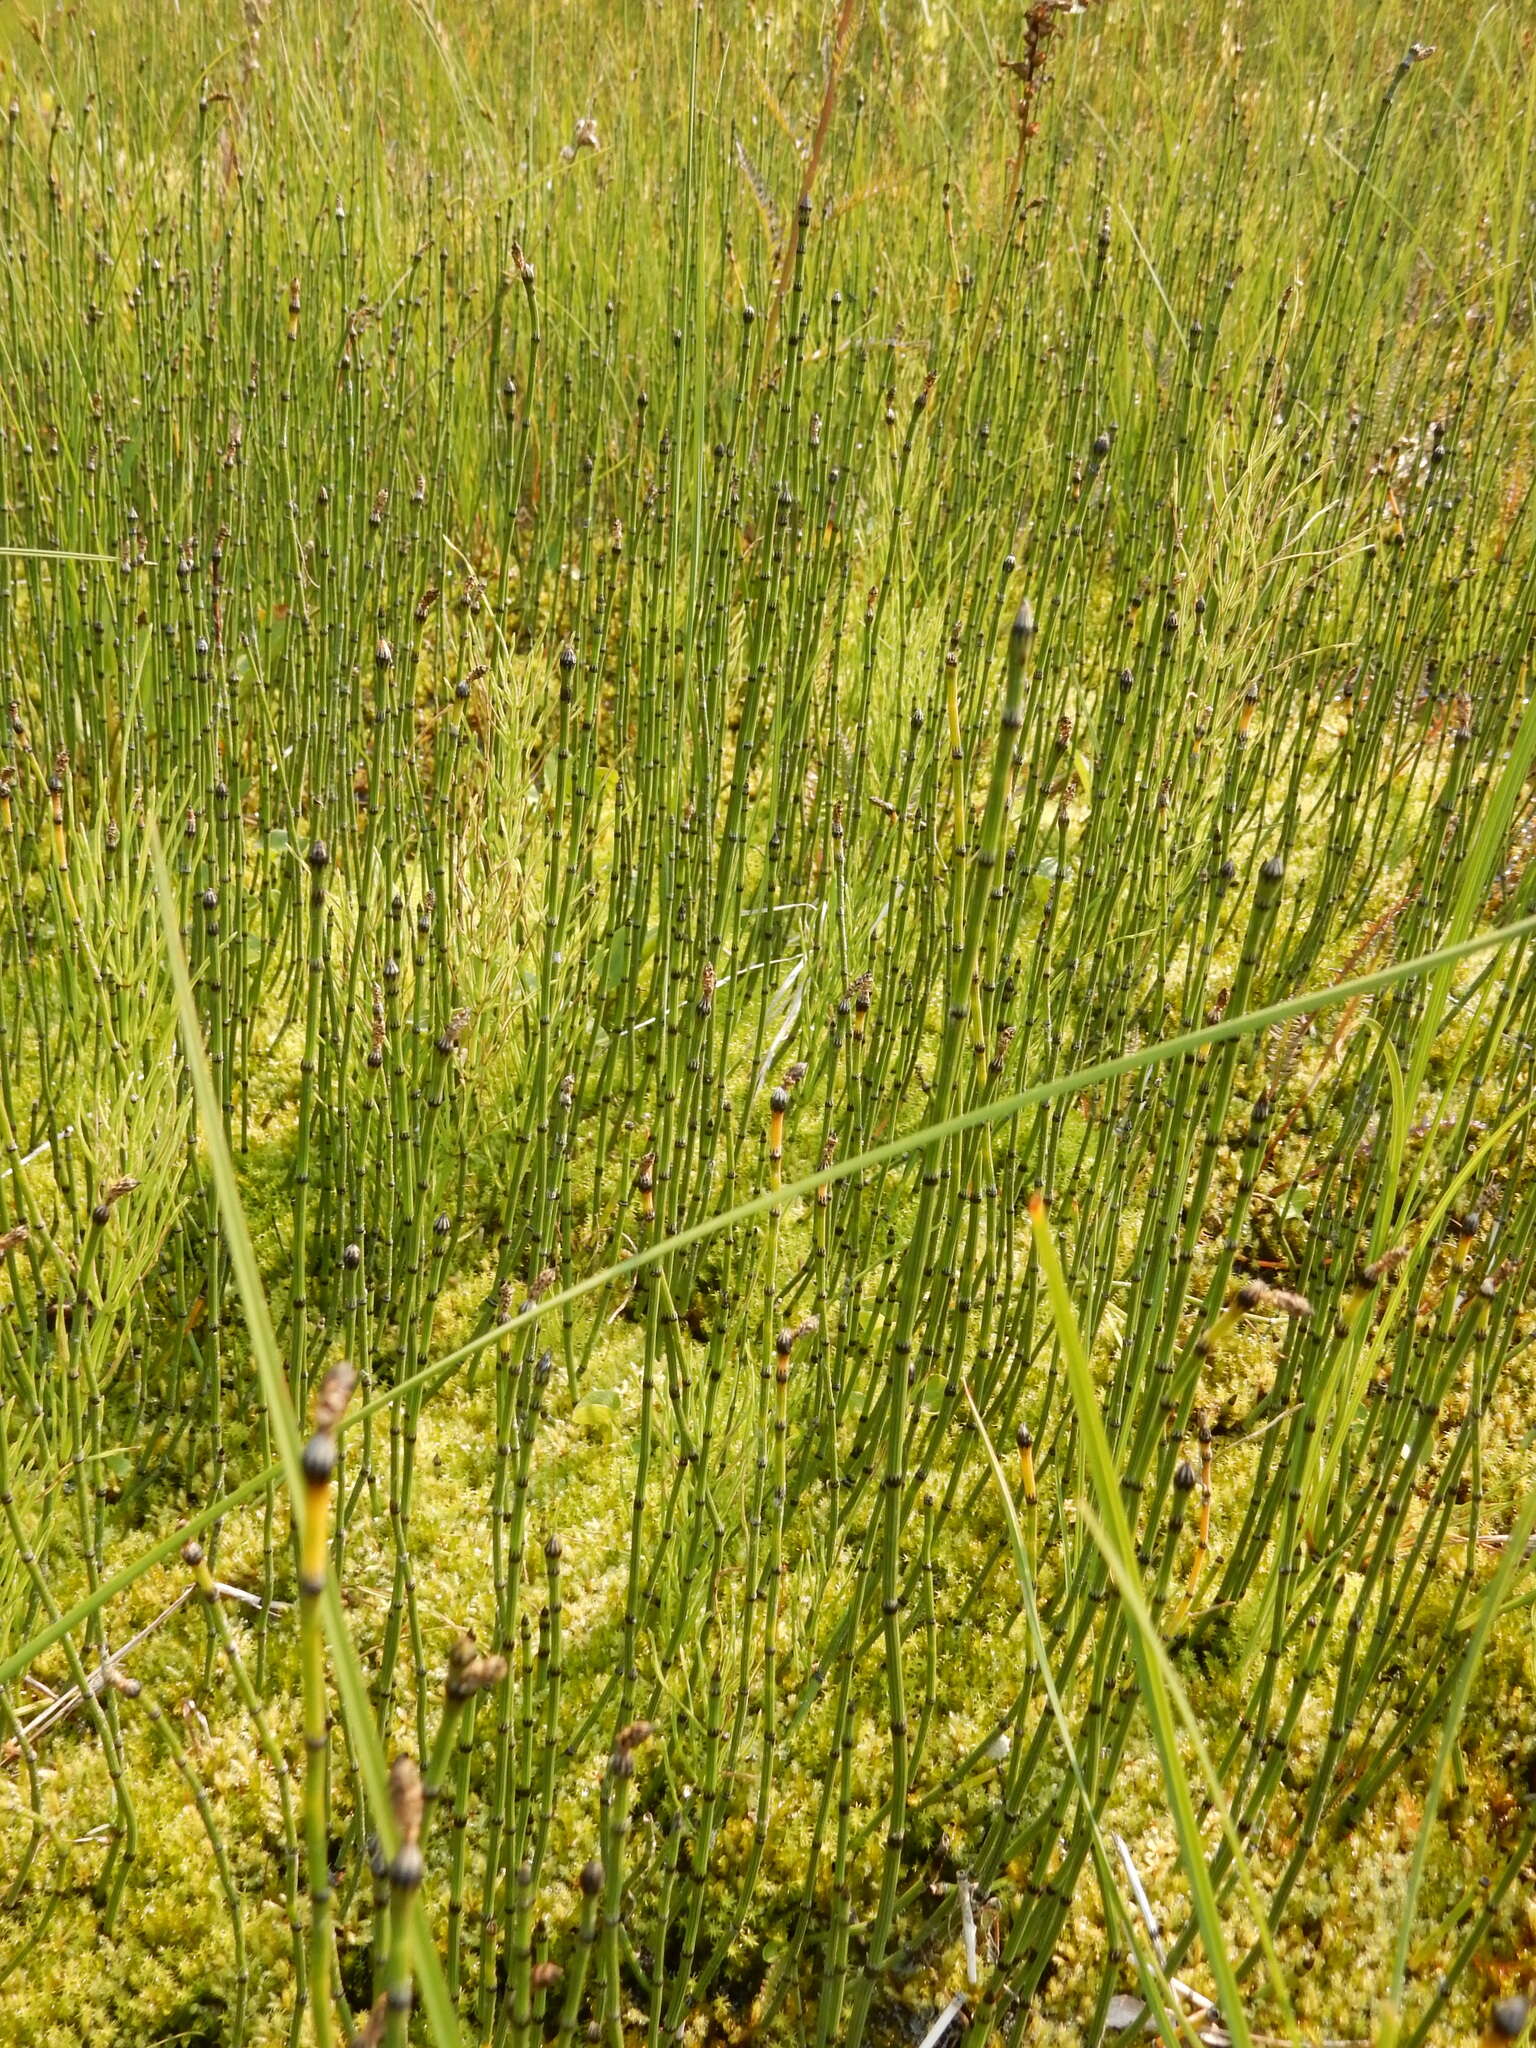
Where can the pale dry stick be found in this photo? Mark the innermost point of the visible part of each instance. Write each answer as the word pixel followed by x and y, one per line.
pixel 62 1704
pixel 721 981
pixel 942 2024
pixel 968 1927
pixel 38 1150
pixel 1213 2034
pixel 1155 1932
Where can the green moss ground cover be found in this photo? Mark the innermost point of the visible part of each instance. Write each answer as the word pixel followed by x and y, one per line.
pixel 752 640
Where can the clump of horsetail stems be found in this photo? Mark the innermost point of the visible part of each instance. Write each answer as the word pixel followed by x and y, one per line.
pixel 195 1559
pixel 131 1688
pixel 319 1467
pixel 592 1885
pixel 406 1870
pixel 470 1673
pixel 665 923
pixel 621 1773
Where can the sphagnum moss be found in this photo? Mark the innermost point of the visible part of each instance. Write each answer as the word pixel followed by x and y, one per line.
pixel 552 599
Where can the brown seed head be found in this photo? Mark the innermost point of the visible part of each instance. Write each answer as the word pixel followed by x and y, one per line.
pixel 469 1671
pixel 1384 1267
pixel 542 1282
pixel 335 1392
pixel 1290 1303
pixel 405 1798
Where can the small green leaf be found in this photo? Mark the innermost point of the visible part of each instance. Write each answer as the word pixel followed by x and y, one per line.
pixel 597 1410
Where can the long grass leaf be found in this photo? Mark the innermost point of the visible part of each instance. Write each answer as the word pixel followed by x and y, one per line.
pixel 361 1731
pixel 1111 1530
